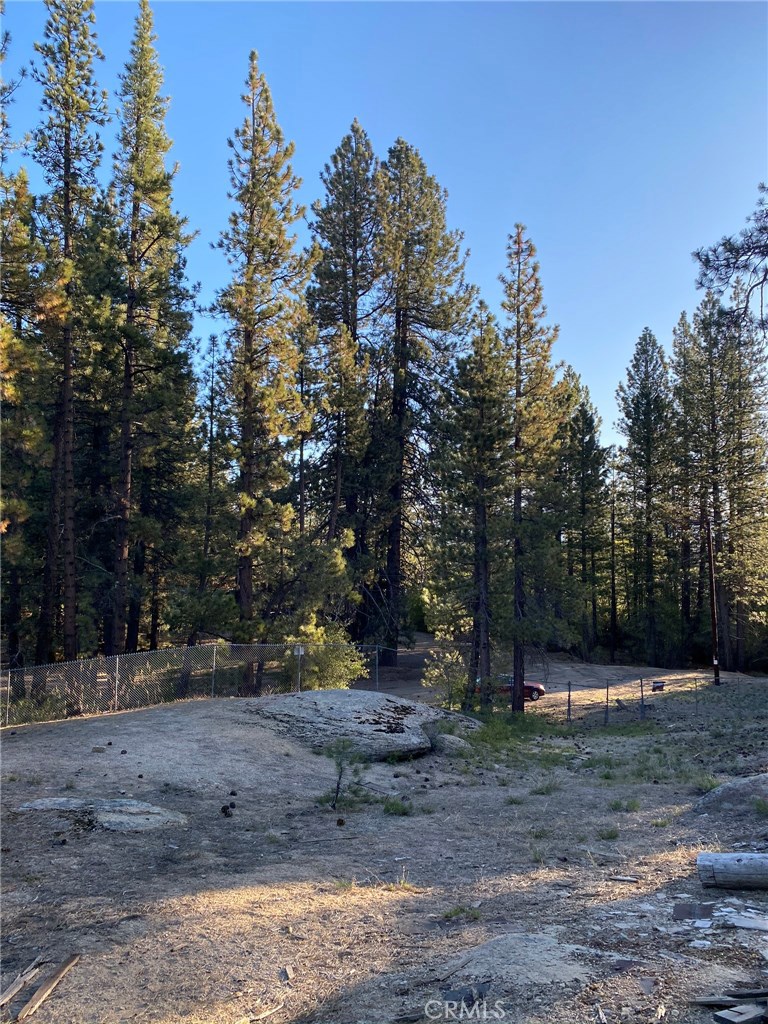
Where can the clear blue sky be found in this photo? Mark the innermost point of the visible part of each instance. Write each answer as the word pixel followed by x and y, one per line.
pixel 624 135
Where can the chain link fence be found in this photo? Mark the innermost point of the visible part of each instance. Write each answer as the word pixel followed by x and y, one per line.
pixel 623 702
pixel 128 681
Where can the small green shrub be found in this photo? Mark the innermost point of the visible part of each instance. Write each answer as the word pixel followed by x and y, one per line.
pixel 704 782
pixel 466 913
pixel 393 805
pixel 546 788
pixel 608 833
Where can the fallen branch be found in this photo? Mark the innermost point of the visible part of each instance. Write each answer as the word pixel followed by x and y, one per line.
pixel 267 1013
pixel 46 988
pixel 20 981
pixel 328 839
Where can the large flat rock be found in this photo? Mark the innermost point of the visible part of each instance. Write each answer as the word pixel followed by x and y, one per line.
pixel 378 725
pixel 115 815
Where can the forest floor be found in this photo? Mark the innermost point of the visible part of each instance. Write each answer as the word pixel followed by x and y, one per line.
pixel 541 869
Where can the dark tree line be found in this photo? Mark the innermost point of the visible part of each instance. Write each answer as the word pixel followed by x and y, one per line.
pixel 363 447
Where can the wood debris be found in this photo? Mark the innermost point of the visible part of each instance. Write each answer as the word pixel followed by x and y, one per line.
pixel 47 987
pixel 20 981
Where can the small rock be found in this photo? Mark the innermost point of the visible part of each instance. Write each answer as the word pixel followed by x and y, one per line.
pixel 233 792
pixel 340 822
pixel 141 776
pixel 123 751
pixel 226 810
pixel 109 743
pixel 232 804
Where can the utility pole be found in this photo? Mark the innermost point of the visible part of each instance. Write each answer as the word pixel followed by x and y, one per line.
pixel 713 605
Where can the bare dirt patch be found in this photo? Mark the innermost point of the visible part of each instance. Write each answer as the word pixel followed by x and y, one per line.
pixel 411 891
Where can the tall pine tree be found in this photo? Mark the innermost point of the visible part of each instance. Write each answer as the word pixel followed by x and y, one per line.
pixel 67 146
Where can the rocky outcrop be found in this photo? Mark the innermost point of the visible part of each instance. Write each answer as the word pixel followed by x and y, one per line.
pixel 377 725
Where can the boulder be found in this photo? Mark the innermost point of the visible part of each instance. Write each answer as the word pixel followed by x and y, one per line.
pixel 737 797
pixel 452 746
pixel 377 725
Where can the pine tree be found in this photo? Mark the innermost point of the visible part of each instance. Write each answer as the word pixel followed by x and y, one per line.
pixel 537 416
pixel 741 260
pixel 475 464
pixel 67 147
pixel 343 300
pixel 156 303
pixel 582 471
pixel 730 455
pixel 264 306
pixel 346 227
pixel 686 492
pixel 426 300
pixel 645 406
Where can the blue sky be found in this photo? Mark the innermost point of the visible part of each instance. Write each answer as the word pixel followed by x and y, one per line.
pixel 624 135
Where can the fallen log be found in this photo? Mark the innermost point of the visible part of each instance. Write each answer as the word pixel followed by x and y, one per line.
pixel 733 870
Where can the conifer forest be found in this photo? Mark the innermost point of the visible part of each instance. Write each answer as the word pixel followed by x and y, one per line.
pixel 364 447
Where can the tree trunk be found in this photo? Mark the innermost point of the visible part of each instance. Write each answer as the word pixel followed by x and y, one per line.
pixel 124 489
pixel 49 584
pixel 135 599
pixel 614 616
pixel 154 610
pixel 247 483
pixel 395 529
pixel 480 667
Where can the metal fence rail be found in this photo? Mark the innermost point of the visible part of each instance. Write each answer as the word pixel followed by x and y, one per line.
pixel 124 682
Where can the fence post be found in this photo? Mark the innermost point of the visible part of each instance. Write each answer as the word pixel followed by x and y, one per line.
pixel 607 699
pixel 569 719
pixel 213 672
pixel 642 699
pixel 117 679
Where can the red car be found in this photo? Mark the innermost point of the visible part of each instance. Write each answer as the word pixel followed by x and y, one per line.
pixel 531 691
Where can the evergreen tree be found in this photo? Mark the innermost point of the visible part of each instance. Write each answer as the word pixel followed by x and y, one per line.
pixel 582 471
pixel 425 301
pixel 67 147
pixel 645 407
pixel 686 491
pixel 344 300
pixel 264 306
pixel 741 258
pixel 155 307
pixel 475 463
pixel 730 454
pixel 537 417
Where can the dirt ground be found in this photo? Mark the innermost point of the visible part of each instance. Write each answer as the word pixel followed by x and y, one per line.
pixel 560 853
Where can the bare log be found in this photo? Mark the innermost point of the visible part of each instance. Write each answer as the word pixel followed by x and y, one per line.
pixel 733 870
